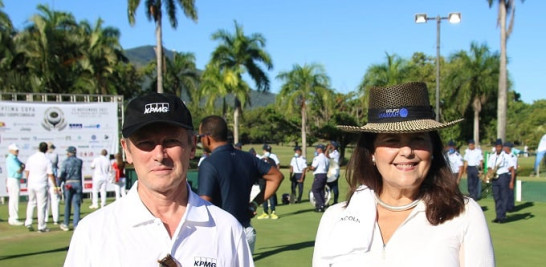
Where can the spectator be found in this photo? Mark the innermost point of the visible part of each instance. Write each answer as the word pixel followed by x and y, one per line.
pixel 14 169
pixel 54 197
pixel 332 176
pixel 71 175
pixel 319 168
pixel 118 167
pixel 102 167
pixel 38 171
pixel 455 161
pixel 227 175
pixel 473 162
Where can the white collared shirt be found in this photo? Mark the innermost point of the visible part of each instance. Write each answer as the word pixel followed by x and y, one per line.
pixel 298 164
pixel 473 156
pixel 320 163
pixel 125 233
pixel 455 161
pixel 416 242
pixel 38 167
pixel 101 166
pixel 503 162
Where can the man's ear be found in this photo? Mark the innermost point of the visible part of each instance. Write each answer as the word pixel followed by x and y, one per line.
pixel 125 145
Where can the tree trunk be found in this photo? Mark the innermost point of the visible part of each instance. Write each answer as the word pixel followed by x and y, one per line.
pixel 303 133
pixel 502 94
pixel 236 114
pixel 159 55
pixel 477 107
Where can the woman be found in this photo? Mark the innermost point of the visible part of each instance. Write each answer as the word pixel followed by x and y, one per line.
pixel 404 208
pixel 118 166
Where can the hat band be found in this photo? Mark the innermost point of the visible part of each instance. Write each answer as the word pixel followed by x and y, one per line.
pixel 400 114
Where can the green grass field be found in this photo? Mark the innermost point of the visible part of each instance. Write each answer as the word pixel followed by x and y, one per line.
pixel 289 240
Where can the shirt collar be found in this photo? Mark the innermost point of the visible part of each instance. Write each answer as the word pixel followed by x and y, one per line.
pixel 226 147
pixel 138 214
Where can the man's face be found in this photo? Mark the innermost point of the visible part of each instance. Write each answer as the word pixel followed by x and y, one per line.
pixel 14 152
pixel 160 154
pixel 203 139
pixel 471 146
pixel 498 149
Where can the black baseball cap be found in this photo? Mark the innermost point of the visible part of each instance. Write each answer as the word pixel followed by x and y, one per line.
pixel 155 107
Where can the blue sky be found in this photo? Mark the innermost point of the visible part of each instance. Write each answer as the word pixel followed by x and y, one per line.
pixel 346 37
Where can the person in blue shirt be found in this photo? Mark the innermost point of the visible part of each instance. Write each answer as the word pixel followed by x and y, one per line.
pixel 227 175
pixel 15 172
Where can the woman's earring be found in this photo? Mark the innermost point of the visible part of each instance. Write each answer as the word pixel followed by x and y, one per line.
pixel 373 160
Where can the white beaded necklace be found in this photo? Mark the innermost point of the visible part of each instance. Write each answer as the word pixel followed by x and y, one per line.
pixel 397 208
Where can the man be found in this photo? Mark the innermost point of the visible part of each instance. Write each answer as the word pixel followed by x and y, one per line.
pixel 270 203
pixel 507 147
pixel 160 219
pixel 227 175
pixel 298 167
pixel 102 168
pixel 71 175
pixel 238 146
pixel 268 154
pixel 53 198
pixel 473 162
pixel 319 168
pixel 14 169
pixel 333 171
pixel 500 163
pixel 455 161
pixel 38 171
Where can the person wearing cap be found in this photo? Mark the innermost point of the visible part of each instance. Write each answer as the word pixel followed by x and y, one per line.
pixel 14 168
pixel 403 207
pixel 500 165
pixel 71 175
pixel 102 168
pixel 53 198
pixel 268 154
pixel 160 220
pixel 473 162
pixel 227 175
pixel 332 176
pixel 508 147
pixel 39 173
pixel 298 167
pixel 238 146
pixel 455 161
pixel 319 166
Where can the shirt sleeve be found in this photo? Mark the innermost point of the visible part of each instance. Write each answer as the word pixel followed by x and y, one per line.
pixel 207 178
pixel 477 245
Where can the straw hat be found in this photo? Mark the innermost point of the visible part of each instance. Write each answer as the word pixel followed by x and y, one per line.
pixel 402 108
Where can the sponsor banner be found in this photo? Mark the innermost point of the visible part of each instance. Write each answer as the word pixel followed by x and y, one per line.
pixel 90 127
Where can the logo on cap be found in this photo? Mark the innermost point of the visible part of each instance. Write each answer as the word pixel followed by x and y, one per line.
pixel 156 108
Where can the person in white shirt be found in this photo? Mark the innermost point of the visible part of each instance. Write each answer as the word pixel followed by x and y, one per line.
pixel 160 220
pixel 102 167
pixel 501 163
pixel 404 208
pixel 333 170
pixel 473 162
pixel 455 161
pixel 38 172
pixel 53 198
pixel 298 167
pixel 319 166
pixel 507 147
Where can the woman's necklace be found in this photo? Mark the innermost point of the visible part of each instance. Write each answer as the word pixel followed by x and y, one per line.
pixel 396 208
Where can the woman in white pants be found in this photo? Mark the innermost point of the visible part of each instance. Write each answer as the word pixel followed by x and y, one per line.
pixel 119 181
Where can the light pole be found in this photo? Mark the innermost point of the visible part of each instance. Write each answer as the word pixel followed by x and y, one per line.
pixel 452 18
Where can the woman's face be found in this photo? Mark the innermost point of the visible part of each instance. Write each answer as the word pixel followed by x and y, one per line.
pixel 403 160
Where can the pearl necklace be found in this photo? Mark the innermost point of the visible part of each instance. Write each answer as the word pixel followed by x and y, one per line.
pixel 397 208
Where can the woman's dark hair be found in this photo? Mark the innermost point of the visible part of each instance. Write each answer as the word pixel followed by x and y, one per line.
pixel 440 192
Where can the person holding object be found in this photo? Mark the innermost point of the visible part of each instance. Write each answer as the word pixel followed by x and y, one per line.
pixel 298 167
pixel 14 169
pixel 404 207
pixel 319 166
pixel 160 220
pixel 500 165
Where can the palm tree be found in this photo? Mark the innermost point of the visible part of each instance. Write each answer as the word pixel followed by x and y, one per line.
pixel 507 9
pixel 237 55
pixel 181 76
pixel 101 51
pixel 472 81
pixel 49 46
pixel 7 47
pixel 394 71
pixel 303 86
pixel 154 11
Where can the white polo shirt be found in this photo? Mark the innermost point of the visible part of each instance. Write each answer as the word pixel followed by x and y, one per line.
pixel 455 161
pixel 38 167
pixel 503 161
pixel 473 156
pixel 347 237
pixel 298 164
pixel 125 233
pixel 320 163
pixel 334 155
pixel 101 166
